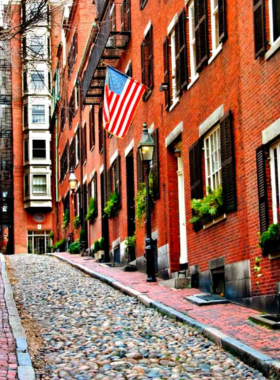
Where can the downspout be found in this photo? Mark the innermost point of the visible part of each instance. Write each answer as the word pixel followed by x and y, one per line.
pixel 81 164
pixel 56 179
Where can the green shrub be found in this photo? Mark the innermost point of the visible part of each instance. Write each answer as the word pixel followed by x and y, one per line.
pixel 66 219
pixel 59 244
pixel 51 235
pixel 112 205
pixel 91 215
pixel 76 222
pixel 96 246
pixel 141 201
pixel 74 247
pixel 130 241
pixel 207 207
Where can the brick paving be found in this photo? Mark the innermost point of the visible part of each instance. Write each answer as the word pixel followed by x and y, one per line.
pixel 8 361
pixel 231 319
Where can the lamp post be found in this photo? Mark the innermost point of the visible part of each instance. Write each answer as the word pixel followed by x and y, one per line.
pixel 146 149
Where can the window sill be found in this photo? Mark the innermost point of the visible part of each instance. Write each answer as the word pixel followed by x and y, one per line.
pixel 92 148
pixel 175 102
pixel 273 49
pixel 193 81
pixel 215 221
pixel 215 54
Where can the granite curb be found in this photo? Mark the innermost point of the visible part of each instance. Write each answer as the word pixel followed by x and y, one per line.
pixel 25 368
pixel 264 363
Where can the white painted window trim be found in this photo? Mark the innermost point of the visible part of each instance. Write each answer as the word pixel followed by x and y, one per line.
pixel 77 149
pixel 101 169
pixel 172 24
pixel 193 81
pixel 271 132
pixel 174 134
pixel 271 24
pixel 172 37
pixel 92 174
pixel 114 157
pixel 213 119
pixel 214 12
pixel 148 27
pixel 151 128
pixel 129 148
pixel 209 176
pixel 127 67
pixel 215 54
pixel 192 41
pixel 273 179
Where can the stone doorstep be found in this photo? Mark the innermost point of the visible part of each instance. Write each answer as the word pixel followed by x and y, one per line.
pixel 176 283
pixel 197 300
pixel 247 354
pixel 264 320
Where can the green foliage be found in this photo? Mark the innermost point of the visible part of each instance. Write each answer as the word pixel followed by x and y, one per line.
pixel 66 219
pixel 96 246
pixel 112 205
pixel 74 247
pixel 91 215
pixel 269 237
pixel 141 201
pixel 82 235
pixel 101 244
pixel 130 241
pixel 208 206
pixel 76 222
pixel 51 235
pixel 59 244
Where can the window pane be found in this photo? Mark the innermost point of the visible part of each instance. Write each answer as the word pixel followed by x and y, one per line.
pixel 39 184
pixel 213 159
pixel 276 19
pixel 38 114
pixel 37 80
pixel 37 44
pixel 39 149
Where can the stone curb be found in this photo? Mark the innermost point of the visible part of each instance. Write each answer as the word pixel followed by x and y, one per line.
pixel 264 363
pixel 25 368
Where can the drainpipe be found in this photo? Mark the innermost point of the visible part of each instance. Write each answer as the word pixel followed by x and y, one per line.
pixel 56 178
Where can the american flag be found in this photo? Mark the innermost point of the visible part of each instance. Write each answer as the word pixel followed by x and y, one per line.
pixel 122 95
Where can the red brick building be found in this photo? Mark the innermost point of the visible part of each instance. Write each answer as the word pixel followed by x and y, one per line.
pixel 215 125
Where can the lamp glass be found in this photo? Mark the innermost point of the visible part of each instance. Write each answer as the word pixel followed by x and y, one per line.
pixel 72 180
pixel 147 152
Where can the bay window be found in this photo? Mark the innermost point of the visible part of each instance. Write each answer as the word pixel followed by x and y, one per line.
pixel 38 114
pixel 39 184
pixel 39 149
pixel 37 80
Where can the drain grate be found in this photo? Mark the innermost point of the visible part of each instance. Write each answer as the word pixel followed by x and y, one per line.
pixel 206 299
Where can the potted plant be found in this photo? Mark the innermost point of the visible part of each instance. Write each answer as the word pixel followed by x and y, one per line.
pixel 76 222
pixel 112 205
pixel 96 248
pixel 207 208
pixel 91 215
pixel 270 240
pixel 141 201
pixel 66 219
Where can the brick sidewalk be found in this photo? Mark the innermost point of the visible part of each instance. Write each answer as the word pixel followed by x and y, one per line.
pixel 231 319
pixel 8 361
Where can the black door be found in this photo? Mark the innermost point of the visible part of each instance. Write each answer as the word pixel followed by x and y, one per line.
pixel 105 224
pixel 130 200
pixel 85 205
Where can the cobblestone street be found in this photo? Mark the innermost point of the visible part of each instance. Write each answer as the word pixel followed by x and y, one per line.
pixel 85 329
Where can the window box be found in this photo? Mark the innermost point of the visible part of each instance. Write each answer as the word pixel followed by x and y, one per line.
pixel 209 221
pixel 272 249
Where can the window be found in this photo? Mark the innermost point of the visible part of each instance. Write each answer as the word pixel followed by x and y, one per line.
pixel 62 118
pixel 215 25
pixel 148 61
pixel 72 56
pixel 39 184
pixel 192 42
pixel 77 203
pixel 26 185
pixel 64 162
pixel 38 114
pixel 71 110
pixel 100 129
pixel 77 149
pixel 114 179
pixel 143 3
pixel 37 45
pixel 39 149
pixel 50 83
pixel 26 150
pixel 274 11
pixel 37 80
pixel 92 128
pixel 212 154
pixel 72 154
pixel 25 115
pixel 275 180
pixel 76 94
pixel 24 81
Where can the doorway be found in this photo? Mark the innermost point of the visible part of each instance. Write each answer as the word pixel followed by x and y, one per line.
pixel 182 205
pixel 104 219
pixel 39 242
pixel 130 200
pixel 84 212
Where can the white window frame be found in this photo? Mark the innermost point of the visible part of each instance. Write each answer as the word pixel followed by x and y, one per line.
pixel 214 21
pixel 214 175
pixel 41 52
pixel 41 105
pixel 275 180
pixel 42 82
pixel 77 148
pixel 46 149
pixel 172 37
pixel 78 203
pixel 271 24
pixel 46 184
pixel 194 74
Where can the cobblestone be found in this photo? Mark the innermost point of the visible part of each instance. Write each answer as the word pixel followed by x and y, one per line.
pixel 92 331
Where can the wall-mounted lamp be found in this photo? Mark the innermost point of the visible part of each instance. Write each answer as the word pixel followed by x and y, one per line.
pixel 177 152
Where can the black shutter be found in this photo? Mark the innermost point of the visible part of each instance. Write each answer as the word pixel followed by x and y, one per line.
pixel 259 28
pixel 183 50
pixel 155 168
pixel 196 170
pixel 222 20
pixel 109 191
pixel 177 59
pixel 262 189
pixel 79 142
pixel 100 129
pixel 201 33
pixel 140 171
pixel 92 127
pixel 125 16
pixel 143 68
pixel 166 72
pixel 95 193
pixel 150 58
pixel 228 164
pixel 118 178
